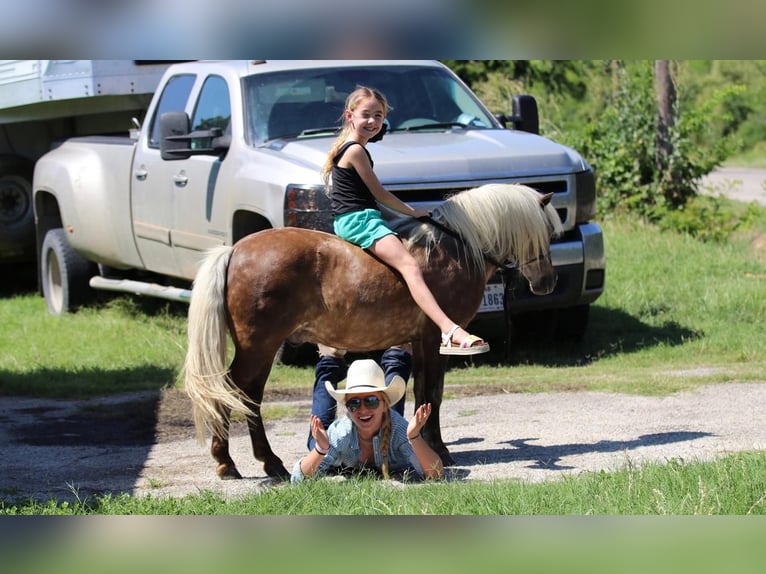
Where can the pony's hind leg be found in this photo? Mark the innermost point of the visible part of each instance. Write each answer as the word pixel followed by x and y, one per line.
pixel 226 468
pixel 219 448
pixel 250 376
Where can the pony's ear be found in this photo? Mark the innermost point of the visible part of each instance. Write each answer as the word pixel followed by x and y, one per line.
pixel 545 199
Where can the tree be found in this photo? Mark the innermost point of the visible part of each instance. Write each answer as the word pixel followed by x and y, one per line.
pixel 666 100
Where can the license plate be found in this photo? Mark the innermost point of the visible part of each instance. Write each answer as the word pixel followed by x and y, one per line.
pixel 493 298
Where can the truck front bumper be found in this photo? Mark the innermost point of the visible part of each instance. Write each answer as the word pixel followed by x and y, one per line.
pixel 580 263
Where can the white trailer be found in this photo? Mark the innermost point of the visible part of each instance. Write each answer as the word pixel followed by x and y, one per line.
pixel 45 101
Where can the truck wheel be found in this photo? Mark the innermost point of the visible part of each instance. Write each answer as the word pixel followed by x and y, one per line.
pixel 16 213
pixel 572 323
pixel 296 356
pixel 64 274
pixel 550 326
pixel 533 328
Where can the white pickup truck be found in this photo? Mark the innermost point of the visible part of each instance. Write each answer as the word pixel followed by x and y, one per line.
pixel 247 140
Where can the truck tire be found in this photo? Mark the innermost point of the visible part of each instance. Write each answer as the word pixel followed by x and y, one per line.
pixel 17 242
pixel 550 326
pixel 572 323
pixel 296 356
pixel 64 274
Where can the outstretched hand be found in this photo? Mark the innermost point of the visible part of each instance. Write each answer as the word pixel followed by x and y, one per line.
pixel 418 420
pixel 319 433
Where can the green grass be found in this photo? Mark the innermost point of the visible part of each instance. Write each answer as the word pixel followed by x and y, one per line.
pixel 754 157
pixel 735 485
pixel 119 347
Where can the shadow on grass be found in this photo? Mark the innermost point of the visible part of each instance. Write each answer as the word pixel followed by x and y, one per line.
pixel 55 383
pixel 609 332
pixel 536 340
pixel 549 457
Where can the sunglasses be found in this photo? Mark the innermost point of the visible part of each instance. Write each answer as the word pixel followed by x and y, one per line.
pixel 371 402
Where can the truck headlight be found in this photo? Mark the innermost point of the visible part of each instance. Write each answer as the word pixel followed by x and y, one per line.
pixel 308 207
pixel 585 183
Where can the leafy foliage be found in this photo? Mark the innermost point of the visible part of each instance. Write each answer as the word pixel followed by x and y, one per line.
pixel 621 144
pixel 607 110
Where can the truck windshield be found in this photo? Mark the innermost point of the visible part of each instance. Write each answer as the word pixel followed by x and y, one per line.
pixel 309 103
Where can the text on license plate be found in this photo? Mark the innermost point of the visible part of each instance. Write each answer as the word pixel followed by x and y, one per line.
pixel 493 298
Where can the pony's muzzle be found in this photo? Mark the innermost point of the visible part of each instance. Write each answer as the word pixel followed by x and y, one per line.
pixel 545 285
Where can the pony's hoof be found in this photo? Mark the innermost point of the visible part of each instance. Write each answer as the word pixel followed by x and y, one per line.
pixel 276 470
pixel 447 460
pixel 228 472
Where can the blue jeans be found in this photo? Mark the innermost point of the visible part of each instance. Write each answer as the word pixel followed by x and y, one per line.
pixel 394 361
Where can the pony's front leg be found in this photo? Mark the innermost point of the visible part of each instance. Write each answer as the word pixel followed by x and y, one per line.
pixel 219 448
pixel 429 367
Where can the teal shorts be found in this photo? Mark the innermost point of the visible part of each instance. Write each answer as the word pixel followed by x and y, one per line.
pixel 362 228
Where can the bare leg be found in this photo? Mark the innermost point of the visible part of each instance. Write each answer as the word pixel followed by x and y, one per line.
pixel 391 250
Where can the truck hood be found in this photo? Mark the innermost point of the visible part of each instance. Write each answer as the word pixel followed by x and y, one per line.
pixel 459 155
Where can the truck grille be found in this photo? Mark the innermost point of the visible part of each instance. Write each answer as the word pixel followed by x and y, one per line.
pixel 435 195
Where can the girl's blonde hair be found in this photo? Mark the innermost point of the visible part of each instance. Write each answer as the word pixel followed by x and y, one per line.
pixel 352 101
pixel 385 435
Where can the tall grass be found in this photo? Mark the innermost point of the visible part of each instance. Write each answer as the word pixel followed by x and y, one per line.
pixel 735 485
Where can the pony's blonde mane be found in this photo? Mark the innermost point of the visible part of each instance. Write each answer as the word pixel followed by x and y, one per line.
pixel 504 221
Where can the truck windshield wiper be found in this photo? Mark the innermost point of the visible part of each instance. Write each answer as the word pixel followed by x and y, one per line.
pixel 307 132
pixel 435 126
pixel 317 131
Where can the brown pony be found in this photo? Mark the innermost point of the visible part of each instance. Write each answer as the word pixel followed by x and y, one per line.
pixel 299 285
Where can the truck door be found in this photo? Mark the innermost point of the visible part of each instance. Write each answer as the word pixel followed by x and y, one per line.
pixel 200 213
pixel 154 184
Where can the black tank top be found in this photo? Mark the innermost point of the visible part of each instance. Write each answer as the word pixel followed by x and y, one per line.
pixel 349 192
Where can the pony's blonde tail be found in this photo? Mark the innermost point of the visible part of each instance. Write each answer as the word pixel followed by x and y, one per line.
pixel 205 374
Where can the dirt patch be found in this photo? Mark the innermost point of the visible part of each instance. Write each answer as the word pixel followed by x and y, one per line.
pixel 145 443
pixel 141 419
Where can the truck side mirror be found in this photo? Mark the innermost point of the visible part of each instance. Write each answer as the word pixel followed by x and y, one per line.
pixel 525 116
pixel 177 142
pixel 172 125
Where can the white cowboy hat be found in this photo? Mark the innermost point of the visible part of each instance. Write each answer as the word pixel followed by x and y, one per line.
pixel 366 376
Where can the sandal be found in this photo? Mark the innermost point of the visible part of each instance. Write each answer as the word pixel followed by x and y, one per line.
pixel 467 347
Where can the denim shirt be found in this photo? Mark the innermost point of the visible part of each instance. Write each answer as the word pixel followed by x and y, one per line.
pixel 344 449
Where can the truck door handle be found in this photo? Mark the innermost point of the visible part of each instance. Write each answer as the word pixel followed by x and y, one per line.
pixel 141 174
pixel 180 179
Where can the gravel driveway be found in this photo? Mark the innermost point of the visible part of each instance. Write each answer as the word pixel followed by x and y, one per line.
pixel 740 183
pixel 66 450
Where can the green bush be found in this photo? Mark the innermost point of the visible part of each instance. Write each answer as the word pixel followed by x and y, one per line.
pixel 708 218
pixel 621 145
pixel 614 125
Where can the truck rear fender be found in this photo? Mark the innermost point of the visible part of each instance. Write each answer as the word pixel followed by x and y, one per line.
pixel 76 185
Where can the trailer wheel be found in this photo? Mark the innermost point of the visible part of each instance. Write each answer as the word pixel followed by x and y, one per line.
pixel 16 214
pixel 64 274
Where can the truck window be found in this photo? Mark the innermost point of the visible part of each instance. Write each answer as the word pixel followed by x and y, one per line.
pixel 309 103
pixel 173 99
pixel 213 109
